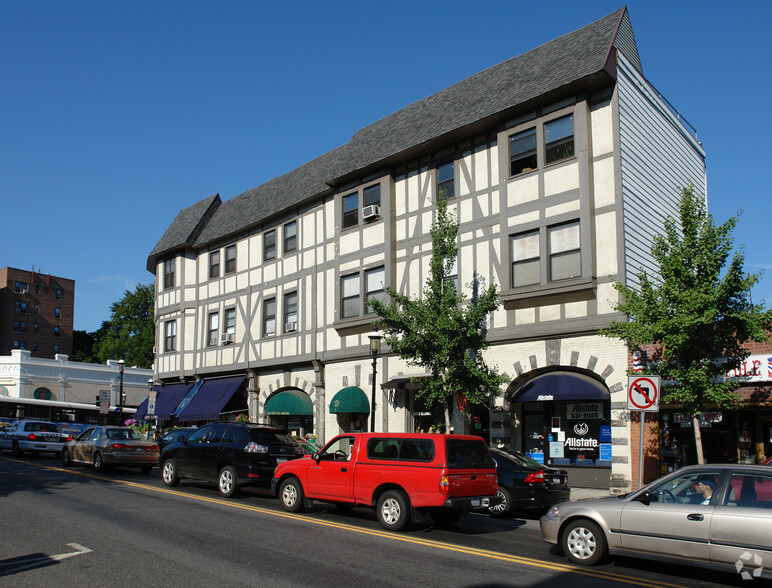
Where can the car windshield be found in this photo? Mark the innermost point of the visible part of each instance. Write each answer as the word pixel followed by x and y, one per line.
pixel 123 434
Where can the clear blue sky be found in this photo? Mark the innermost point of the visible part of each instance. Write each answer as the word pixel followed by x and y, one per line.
pixel 116 115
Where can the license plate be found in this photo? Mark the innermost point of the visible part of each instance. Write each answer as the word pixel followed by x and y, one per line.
pixel 556 480
pixel 281 459
pixel 475 502
pixel 139 449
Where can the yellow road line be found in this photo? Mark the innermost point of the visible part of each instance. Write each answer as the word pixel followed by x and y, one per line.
pixel 554 566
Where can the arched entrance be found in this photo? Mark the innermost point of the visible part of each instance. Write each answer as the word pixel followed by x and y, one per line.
pixel 291 409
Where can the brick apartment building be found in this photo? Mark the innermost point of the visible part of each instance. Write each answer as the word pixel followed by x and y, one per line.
pixel 36 313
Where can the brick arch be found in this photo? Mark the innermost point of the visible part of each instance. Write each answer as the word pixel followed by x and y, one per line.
pixel 281 385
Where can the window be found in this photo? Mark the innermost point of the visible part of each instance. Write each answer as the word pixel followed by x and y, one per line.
pixel 230 321
pixel 349 288
pixel 522 152
pixel 269 245
pixel 230 259
pixel 34 347
pixel 168 273
pixel 57 331
pixel 37 307
pixel 350 210
pixel 559 139
pixel 213 328
pixel 58 312
pixel 374 280
pixel 20 287
pixel 170 335
pixel 372 195
pixel 446 180
pixel 56 349
pixel 750 491
pixel 291 311
pixel 20 306
pixel 20 326
pixel 35 327
pixel 58 294
pixel 565 255
pixel 290 237
pixel 526 259
pixel 214 264
pixel 269 316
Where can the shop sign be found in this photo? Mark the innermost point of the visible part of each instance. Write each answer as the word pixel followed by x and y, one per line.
pixel 756 368
pixel 583 411
pixel 686 421
pixel 581 441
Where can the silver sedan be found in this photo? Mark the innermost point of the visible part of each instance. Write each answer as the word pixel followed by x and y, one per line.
pixel 716 516
pixel 103 446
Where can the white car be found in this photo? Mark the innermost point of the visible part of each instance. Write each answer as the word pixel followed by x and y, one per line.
pixel 33 437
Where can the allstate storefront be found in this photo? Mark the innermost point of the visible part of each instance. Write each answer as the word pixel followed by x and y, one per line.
pixel 565 419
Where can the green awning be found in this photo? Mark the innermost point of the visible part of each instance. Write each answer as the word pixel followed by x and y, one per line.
pixel 289 402
pixel 351 400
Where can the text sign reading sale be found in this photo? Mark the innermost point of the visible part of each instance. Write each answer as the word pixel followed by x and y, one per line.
pixel 643 393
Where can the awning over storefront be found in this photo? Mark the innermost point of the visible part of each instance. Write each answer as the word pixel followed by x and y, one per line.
pixel 561 386
pixel 411 383
pixel 350 400
pixel 289 402
pixel 207 399
pixel 166 400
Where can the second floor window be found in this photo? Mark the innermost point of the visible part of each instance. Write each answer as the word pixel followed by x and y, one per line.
pixel 269 245
pixel 214 264
pixel 565 252
pixel 269 316
pixel 446 180
pixel 350 210
pixel 375 285
pixel 291 311
pixel 349 291
pixel 230 321
pixel 170 336
pixel 526 262
pixel 213 328
pixel 169 274
pixel 290 236
pixel 230 259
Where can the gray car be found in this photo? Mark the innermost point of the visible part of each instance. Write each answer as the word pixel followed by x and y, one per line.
pixel 716 516
pixel 105 446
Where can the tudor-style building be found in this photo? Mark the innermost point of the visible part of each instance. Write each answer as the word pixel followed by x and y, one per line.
pixel 561 164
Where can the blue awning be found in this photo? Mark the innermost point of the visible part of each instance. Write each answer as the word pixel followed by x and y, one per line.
pixel 166 400
pixel 206 400
pixel 561 386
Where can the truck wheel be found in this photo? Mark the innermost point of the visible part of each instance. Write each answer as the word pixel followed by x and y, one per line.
pixel 445 517
pixel 393 510
pixel 169 473
pixel 291 495
pixel 584 543
pixel 226 482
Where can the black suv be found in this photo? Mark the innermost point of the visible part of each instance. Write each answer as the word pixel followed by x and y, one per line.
pixel 229 454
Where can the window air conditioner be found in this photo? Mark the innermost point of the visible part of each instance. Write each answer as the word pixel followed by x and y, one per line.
pixel 288 327
pixel 226 338
pixel 371 213
pixel 155 350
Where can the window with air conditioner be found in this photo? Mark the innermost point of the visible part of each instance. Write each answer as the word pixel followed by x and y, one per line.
pixel 290 312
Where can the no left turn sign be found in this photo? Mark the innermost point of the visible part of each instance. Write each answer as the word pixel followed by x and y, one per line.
pixel 643 393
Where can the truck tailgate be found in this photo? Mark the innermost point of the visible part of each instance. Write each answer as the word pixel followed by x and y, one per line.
pixel 472 483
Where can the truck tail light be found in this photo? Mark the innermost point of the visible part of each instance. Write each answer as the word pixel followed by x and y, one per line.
pixel 535 477
pixel 444 485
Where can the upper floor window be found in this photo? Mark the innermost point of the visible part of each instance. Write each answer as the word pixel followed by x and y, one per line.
pixel 269 316
pixel 20 326
pixel 20 287
pixel 20 344
pixel 522 152
pixel 269 245
pixel 352 296
pixel 169 273
pixel 375 286
pixel 452 276
pixel 57 331
pixel 290 236
pixel 35 327
pixel 559 139
pixel 230 259
pixel 213 328
pixel 291 312
pixel 230 321
pixel 372 195
pixel 58 293
pixel 349 289
pixel 565 253
pixel 37 308
pixel 19 306
pixel 170 336
pixel 214 264
pixel 58 312
pixel 56 349
pixel 351 210
pixel 526 260
pixel 446 179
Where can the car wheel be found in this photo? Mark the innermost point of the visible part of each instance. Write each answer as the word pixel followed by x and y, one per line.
pixel 445 517
pixel 66 459
pixel 99 463
pixel 16 450
pixel 291 495
pixel 145 469
pixel 584 543
pixel 169 473
pixel 502 507
pixel 226 482
pixel 393 510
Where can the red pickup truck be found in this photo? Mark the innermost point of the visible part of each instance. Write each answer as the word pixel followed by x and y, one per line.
pixel 401 475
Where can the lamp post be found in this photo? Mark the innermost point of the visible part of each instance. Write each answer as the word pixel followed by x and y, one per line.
pixel 121 366
pixel 375 349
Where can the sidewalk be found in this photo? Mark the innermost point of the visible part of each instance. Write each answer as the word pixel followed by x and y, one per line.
pixel 578 493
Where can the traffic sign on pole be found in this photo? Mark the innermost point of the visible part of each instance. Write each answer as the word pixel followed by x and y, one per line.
pixel 151 402
pixel 643 393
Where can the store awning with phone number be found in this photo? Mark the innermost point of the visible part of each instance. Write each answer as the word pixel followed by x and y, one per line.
pixel 289 402
pixel 166 400
pixel 207 398
pixel 561 386
pixel 350 400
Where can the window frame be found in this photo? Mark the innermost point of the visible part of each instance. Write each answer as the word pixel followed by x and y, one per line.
pixel 377 294
pixel 525 260
pixel 526 154
pixel 551 148
pixel 451 181
pixel 170 336
pixel 214 264
pixel 269 314
pixel 57 312
pixel 269 245
pixel 351 213
pixel 228 314
pixel 212 328
pixel 349 278
pixel 290 241
pixel 563 253
pixel 290 310
pixel 169 273
pixel 230 259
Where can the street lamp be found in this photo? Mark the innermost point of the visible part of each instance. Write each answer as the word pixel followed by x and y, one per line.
pixel 121 366
pixel 375 349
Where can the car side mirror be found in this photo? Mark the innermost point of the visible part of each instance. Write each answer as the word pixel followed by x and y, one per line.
pixel 644 498
pixel 315 456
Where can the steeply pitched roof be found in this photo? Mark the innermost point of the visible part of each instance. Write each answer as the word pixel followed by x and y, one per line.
pixel 486 95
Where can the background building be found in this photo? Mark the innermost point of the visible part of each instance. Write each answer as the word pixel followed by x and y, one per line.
pixel 36 313
pixel 561 164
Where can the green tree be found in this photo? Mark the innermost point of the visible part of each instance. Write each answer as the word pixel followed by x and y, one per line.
pixel 698 315
pixel 438 331
pixel 83 346
pixel 130 332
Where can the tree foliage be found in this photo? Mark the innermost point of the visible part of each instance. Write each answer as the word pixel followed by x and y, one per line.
pixel 438 331
pixel 697 314
pixel 130 332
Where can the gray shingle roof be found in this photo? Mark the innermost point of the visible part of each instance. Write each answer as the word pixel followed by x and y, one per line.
pixel 485 95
